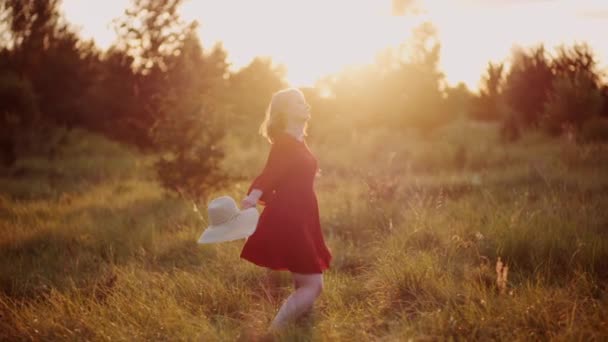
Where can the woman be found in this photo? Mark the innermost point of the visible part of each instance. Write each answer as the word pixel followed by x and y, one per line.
pixel 288 235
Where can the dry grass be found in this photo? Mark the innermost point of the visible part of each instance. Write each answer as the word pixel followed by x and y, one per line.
pixel 91 249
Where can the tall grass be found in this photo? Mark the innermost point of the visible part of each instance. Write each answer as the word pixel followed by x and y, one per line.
pixel 92 249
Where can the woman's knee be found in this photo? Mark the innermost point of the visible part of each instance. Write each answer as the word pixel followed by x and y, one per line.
pixel 320 284
pixel 311 281
pixel 316 284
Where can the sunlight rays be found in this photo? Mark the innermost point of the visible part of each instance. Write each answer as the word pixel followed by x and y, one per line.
pixel 316 37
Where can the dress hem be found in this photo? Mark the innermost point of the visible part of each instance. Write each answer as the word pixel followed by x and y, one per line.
pixel 285 268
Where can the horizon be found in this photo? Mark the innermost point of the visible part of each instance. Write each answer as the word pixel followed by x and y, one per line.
pixel 466 50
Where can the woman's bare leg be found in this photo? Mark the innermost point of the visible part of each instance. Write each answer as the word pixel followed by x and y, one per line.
pixel 308 288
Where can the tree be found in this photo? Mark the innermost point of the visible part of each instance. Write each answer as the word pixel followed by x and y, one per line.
pixel 151 32
pixel 459 99
pixel 114 102
pixel 528 84
pixel 604 92
pixel 32 23
pixel 249 93
pixel 50 55
pixel 45 53
pixel 418 82
pixel 575 62
pixel 487 106
pixel 176 87
pixel 18 112
pixel 149 35
pixel 190 129
pixel 576 94
pixel 402 89
pixel 574 100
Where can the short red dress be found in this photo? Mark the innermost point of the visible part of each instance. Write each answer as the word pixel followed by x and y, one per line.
pixel 288 235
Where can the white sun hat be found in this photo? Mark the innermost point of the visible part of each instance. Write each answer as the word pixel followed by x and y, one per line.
pixel 228 222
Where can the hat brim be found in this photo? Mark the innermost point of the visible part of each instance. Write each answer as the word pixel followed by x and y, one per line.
pixel 242 226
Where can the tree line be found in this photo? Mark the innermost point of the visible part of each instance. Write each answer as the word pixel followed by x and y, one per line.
pixel 157 88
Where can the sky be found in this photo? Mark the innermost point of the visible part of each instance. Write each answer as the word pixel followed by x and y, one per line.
pixel 316 37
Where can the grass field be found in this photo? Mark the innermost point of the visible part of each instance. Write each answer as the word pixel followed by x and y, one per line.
pixel 92 249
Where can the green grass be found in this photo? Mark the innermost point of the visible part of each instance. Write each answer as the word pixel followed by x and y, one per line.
pixel 92 249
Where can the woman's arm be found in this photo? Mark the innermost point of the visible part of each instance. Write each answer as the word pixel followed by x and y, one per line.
pixel 274 170
pixel 252 199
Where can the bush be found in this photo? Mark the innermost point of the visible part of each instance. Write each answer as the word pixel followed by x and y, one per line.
pixel 17 96
pixel 488 106
pixel 528 84
pixel 510 129
pixel 605 97
pixel 190 127
pixel 595 130
pixel 572 102
pixel 18 111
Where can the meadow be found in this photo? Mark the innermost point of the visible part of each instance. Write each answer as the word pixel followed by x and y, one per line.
pixel 91 247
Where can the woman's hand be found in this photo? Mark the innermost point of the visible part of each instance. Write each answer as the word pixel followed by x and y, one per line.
pixel 247 203
pixel 251 200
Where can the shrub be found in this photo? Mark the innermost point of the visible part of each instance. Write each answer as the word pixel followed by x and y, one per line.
pixel 594 130
pixel 573 101
pixel 528 84
pixel 18 111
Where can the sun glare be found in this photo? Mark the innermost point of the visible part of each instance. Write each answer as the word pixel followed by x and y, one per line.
pixel 316 37
pixel 311 38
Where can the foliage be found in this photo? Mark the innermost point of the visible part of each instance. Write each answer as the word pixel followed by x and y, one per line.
pixel 402 89
pixel 150 36
pixel 189 132
pixel 32 22
pixel 576 61
pixel 604 90
pixel 18 114
pixel 487 106
pixel 528 83
pixel 557 92
pixel 460 99
pixel 17 102
pixel 151 31
pixel 52 58
pixel 574 100
pixel 250 91
pixel 176 92
pixel 594 130
pixel 115 106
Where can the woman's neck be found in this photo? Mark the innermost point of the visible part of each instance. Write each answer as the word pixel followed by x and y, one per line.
pixel 297 131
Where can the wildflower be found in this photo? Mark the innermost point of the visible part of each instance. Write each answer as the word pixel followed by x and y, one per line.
pixel 501 276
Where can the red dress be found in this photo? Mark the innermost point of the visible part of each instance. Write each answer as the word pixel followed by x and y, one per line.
pixel 288 235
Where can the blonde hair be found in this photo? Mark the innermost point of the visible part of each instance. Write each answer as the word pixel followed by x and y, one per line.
pixel 275 121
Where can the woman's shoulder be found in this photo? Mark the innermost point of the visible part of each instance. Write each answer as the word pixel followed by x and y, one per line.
pixel 287 145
